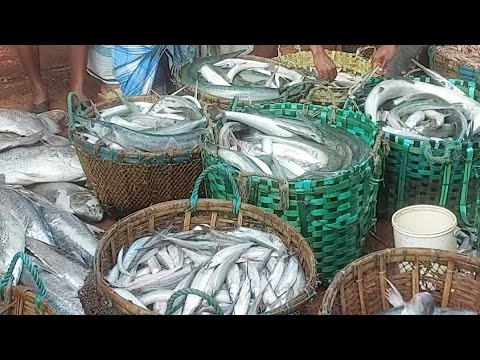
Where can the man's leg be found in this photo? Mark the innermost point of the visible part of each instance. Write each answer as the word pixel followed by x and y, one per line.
pixel 78 66
pixel 30 58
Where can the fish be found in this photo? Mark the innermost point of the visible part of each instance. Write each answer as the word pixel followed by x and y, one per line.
pixel 27 125
pixel 27 213
pixel 60 294
pixel 59 262
pixel 404 90
pixel 12 241
pixel 189 75
pixel 234 271
pixel 73 198
pixel 420 304
pixel 70 234
pixel 40 164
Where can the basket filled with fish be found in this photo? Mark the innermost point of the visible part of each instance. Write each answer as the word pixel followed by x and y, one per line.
pixel 391 282
pixel 205 256
pixel 457 61
pixel 317 168
pixel 138 151
pixel 351 70
pixel 431 125
pixel 226 78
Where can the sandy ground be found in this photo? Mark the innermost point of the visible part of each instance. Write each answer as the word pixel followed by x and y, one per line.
pixel 15 94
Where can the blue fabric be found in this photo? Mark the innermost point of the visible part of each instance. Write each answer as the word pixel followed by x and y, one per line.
pixel 135 66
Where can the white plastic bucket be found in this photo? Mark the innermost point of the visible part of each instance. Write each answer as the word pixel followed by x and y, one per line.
pixel 425 226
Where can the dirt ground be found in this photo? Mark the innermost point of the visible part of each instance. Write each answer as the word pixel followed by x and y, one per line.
pixel 15 94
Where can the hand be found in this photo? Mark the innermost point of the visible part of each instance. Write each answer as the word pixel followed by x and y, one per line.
pixel 384 55
pixel 325 66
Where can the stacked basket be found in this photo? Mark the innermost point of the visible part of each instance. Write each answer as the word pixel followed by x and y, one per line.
pixel 452 68
pixel 333 214
pixel 354 63
pixel 127 181
pixel 434 173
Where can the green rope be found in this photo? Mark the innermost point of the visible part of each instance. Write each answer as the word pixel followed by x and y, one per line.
pixel 183 292
pixel 32 268
pixel 234 104
pixel 71 112
pixel 237 200
pixel 451 150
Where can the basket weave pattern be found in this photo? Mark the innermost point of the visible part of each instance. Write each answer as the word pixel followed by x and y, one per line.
pixel 22 302
pixel 358 289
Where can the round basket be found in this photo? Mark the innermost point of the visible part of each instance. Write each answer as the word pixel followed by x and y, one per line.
pixel 359 289
pixel 185 215
pixel 128 181
pixel 353 63
pixel 295 94
pixel 333 214
pixel 433 173
pixel 22 302
pixel 452 68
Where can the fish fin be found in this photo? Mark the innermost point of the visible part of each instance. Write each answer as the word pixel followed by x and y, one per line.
pixel 55 140
pixel 95 229
pixel 394 298
pixel 3 180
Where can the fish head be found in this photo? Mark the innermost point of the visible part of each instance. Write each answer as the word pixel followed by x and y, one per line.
pixel 420 304
pixel 86 205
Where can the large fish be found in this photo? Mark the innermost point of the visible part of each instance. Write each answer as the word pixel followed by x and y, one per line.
pixel 72 198
pixel 12 241
pixel 71 235
pixel 39 164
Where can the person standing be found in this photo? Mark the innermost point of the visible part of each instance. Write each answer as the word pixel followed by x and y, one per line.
pixel 30 58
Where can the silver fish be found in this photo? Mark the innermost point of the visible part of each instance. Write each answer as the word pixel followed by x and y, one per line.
pixel 72 198
pixel 12 241
pixel 39 164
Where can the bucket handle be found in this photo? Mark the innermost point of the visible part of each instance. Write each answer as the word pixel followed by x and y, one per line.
pixel 237 200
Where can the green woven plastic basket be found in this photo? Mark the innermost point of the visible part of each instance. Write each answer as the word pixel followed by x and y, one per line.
pixel 434 173
pixel 335 214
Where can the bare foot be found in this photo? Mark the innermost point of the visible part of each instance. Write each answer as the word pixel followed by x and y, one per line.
pixel 40 95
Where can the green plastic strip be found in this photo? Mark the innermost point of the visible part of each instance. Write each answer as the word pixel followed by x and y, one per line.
pixel 465 183
pixel 403 173
pixel 447 173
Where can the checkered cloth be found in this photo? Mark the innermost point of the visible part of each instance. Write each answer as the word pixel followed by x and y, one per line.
pixel 100 63
pixel 135 66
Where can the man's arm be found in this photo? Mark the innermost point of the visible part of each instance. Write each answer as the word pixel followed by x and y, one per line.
pixel 384 55
pixel 325 66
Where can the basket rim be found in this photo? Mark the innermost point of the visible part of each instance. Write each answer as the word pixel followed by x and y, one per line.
pixel 170 153
pixel 183 207
pixel 388 254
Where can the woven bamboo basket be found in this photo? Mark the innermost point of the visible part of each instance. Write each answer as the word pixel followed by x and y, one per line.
pixel 333 214
pixel 353 63
pixel 22 302
pixel 451 68
pixel 127 181
pixel 295 94
pixel 433 173
pixel 185 215
pixel 451 278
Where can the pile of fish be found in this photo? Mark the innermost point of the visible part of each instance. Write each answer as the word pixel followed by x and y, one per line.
pixel 227 76
pixel 468 55
pixel 31 152
pixel 62 246
pixel 424 111
pixel 287 148
pixel 174 122
pixel 246 270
